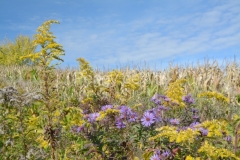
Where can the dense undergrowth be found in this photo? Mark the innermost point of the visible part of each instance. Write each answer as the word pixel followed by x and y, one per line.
pixel 177 113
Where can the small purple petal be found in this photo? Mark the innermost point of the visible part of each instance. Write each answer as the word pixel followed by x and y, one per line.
pixel 156 99
pixel 204 132
pixel 174 121
pixel 166 154
pixel 132 117
pixel 188 99
pixel 228 139
pixel 120 124
pixel 104 108
pixel 92 117
pixel 155 157
pixel 192 125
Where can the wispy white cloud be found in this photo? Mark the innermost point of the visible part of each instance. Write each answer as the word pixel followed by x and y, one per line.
pixel 156 34
pixel 152 37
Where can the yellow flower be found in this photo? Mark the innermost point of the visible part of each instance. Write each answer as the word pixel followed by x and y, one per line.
pixel 175 92
pixel 166 131
pixel 115 76
pixel 216 153
pixel 187 135
pixel 215 127
pixel 220 97
pixel 191 158
pixel 43 143
pixel 109 111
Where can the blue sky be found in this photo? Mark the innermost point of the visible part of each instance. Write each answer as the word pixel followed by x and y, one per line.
pixel 111 33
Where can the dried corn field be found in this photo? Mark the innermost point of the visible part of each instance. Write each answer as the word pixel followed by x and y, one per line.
pixel 223 78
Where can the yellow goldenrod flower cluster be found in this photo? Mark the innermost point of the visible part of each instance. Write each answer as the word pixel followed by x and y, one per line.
pixel 175 92
pixel 85 68
pixel 87 100
pixel 216 153
pixel 42 142
pixel 191 158
pixel 183 136
pixel 166 131
pixel 109 111
pixel 215 128
pixel 220 97
pixel 33 57
pixel 50 50
pixel 132 83
pixel 187 135
pixel 115 77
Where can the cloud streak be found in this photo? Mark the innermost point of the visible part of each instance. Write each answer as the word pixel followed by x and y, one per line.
pixel 158 33
pixel 154 37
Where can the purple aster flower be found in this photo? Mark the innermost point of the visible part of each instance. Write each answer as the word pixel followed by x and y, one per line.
pixel 166 154
pixel 153 110
pixel 85 111
pixel 174 121
pixel 188 99
pixel 194 110
pixel 125 111
pixel 80 128
pixel 147 119
pixel 132 117
pixel 155 157
pixel 162 108
pixel 204 132
pixel 158 118
pixel 120 124
pixel 92 117
pixel 104 108
pixel 156 112
pixel 165 98
pixel 193 125
pixel 228 138
pixel 195 117
pixel 157 152
pixel 77 129
pixel 156 99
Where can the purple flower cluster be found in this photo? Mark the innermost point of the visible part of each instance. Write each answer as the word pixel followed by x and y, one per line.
pixel 162 108
pixel 120 124
pixel 92 117
pixel 195 115
pixel 158 155
pixel 228 139
pixel 193 125
pixel 104 108
pixel 149 117
pixel 188 99
pixel 128 114
pixel 77 129
pixel 152 115
pixel 174 121
pixel 157 99
pixel 204 132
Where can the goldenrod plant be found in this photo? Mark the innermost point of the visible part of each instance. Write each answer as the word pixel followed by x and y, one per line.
pixel 10 52
pixel 50 110
pixel 175 92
